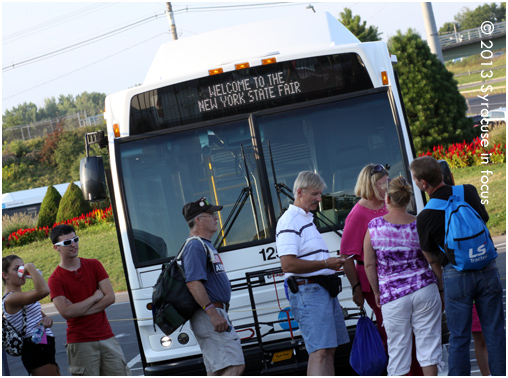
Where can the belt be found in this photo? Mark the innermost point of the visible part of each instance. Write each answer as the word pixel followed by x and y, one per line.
pixel 224 306
pixel 305 281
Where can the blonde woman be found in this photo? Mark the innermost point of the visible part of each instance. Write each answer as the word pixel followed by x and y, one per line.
pixel 404 285
pixel 38 359
pixel 370 187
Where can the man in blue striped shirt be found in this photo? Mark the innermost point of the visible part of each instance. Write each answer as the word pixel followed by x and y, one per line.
pixel 305 260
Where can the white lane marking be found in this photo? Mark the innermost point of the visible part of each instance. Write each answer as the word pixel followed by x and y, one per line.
pixel 134 361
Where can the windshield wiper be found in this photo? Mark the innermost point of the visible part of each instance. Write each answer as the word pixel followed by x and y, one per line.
pixel 237 208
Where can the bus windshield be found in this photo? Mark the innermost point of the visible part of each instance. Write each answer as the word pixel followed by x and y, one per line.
pixel 335 137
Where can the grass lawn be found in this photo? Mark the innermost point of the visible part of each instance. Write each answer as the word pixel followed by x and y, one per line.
pixel 493 194
pixel 477 77
pixel 474 63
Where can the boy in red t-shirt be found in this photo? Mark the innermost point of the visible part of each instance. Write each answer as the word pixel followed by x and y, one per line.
pixel 81 291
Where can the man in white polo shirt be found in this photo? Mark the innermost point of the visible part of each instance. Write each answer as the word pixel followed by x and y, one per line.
pixel 306 261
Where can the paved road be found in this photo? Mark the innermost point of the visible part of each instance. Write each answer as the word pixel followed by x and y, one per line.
pixel 120 316
pixel 494 102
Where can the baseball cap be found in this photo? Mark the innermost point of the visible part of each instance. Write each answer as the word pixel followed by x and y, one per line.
pixel 192 209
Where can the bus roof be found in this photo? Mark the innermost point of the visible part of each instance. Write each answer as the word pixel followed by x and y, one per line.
pixel 30 196
pixel 266 38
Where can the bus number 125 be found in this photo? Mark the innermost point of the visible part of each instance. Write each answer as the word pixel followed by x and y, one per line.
pixel 269 254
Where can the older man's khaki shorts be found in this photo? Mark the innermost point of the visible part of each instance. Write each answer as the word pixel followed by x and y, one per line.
pixel 220 350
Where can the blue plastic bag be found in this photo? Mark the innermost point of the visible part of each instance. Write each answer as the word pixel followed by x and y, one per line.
pixel 368 355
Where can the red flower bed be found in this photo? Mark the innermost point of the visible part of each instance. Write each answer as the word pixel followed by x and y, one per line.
pixel 29 235
pixel 468 154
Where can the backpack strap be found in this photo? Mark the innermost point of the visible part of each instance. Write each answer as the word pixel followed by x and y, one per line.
pixel 458 190
pixel 209 253
pixel 23 316
pixel 436 204
pixel 439 204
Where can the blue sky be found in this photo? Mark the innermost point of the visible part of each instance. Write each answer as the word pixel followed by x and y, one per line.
pixel 31 30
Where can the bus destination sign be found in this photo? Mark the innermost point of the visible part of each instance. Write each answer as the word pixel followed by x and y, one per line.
pixel 249 90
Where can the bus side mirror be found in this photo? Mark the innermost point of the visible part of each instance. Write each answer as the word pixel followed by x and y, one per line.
pixel 93 179
pixel 447 173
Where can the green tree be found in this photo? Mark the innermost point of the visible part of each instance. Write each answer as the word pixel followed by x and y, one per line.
pixel 359 29
pixel 50 108
pixel 49 208
pixel 66 105
pixel 469 19
pixel 69 148
pixel 20 115
pixel 91 103
pixel 449 27
pixel 435 108
pixel 72 204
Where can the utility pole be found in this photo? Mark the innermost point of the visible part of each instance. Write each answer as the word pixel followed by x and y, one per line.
pixel 431 30
pixel 171 19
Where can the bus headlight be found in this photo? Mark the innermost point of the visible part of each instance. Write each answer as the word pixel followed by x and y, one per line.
pixel 166 341
pixel 183 338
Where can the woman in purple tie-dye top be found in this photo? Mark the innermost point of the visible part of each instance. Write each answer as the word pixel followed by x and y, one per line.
pixel 404 285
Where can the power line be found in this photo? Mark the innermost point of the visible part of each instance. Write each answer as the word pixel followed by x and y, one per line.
pixel 79 44
pixel 138 23
pixel 55 22
pixel 236 7
pixel 79 69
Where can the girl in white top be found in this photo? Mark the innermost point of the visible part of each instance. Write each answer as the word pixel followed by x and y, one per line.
pixel 38 359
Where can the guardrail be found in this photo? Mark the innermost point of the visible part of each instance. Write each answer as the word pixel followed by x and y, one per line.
pixel 470 34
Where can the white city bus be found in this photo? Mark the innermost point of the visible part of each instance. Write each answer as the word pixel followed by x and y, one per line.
pixel 234 115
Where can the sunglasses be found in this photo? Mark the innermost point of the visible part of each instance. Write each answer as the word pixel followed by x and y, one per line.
pixel 68 242
pixel 213 215
pixel 378 168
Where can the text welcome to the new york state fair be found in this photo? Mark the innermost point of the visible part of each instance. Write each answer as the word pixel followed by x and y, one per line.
pixel 248 90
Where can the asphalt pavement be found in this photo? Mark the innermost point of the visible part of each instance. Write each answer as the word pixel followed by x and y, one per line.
pixel 122 323
pixel 494 101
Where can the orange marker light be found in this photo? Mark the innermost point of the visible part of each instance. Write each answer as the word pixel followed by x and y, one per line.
pixel 268 61
pixel 215 71
pixel 241 66
pixel 384 78
pixel 116 130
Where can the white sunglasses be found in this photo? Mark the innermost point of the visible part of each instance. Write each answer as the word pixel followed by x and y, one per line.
pixel 68 241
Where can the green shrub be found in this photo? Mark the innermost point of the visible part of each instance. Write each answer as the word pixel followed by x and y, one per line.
pixel 68 152
pixel 498 134
pixel 49 146
pixel 72 204
pixel 19 148
pixel 18 221
pixel 49 207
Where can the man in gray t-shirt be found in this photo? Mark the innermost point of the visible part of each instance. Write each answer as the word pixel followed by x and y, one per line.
pixel 209 285
pixel 199 267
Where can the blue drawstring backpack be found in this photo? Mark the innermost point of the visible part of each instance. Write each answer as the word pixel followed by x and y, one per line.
pixel 467 242
pixel 368 355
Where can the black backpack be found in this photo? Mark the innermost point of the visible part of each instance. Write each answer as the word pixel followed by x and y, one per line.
pixel 12 341
pixel 172 302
